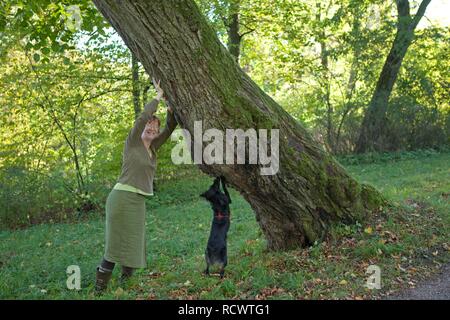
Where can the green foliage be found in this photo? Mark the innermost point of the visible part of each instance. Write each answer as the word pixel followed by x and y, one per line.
pixel 321 62
pixel 65 121
pixel 25 198
pixel 49 25
pixel 61 121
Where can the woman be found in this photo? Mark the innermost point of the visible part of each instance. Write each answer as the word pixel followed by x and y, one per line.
pixel 125 206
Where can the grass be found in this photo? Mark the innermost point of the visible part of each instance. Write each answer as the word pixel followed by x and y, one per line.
pixel 408 241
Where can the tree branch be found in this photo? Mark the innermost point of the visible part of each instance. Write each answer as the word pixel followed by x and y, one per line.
pixel 419 14
pixel 403 9
pixel 247 32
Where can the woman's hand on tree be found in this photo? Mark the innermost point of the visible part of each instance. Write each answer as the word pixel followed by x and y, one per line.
pixel 159 90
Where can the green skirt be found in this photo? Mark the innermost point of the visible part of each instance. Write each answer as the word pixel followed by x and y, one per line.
pixel 125 229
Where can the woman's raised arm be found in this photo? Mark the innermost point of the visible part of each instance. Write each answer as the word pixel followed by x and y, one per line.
pixel 149 109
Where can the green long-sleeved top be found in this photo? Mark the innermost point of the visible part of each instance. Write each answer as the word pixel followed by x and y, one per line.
pixel 139 163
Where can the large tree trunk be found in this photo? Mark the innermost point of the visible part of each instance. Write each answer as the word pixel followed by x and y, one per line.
pixel 372 128
pixel 202 81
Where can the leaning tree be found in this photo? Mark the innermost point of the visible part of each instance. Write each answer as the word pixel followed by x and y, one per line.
pixel 202 81
pixel 374 122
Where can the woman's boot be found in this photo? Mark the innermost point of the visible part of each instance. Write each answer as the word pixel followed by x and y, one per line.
pixel 103 277
pixel 127 272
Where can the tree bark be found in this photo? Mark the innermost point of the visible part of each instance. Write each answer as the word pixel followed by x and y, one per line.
pixel 202 82
pixel 234 39
pixel 371 135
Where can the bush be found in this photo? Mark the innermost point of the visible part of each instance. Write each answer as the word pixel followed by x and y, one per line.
pixel 414 126
pixel 28 197
pixel 385 157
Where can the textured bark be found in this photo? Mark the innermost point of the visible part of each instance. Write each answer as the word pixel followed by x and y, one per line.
pixel 372 128
pixel 202 81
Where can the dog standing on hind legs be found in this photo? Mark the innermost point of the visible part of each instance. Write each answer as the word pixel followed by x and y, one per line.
pixel 216 250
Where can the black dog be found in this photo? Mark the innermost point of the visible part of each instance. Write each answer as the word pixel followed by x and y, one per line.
pixel 216 251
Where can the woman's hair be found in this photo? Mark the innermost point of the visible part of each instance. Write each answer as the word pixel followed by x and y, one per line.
pixel 155 118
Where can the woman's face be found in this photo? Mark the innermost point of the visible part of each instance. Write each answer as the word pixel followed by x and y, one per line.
pixel 151 129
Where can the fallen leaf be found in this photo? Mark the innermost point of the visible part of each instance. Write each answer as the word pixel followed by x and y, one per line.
pixel 187 283
pixel 119 291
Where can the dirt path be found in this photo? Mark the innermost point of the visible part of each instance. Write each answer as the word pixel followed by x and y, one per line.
pixel 435 288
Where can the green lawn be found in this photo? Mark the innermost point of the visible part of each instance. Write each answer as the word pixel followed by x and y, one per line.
pixel 408 241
